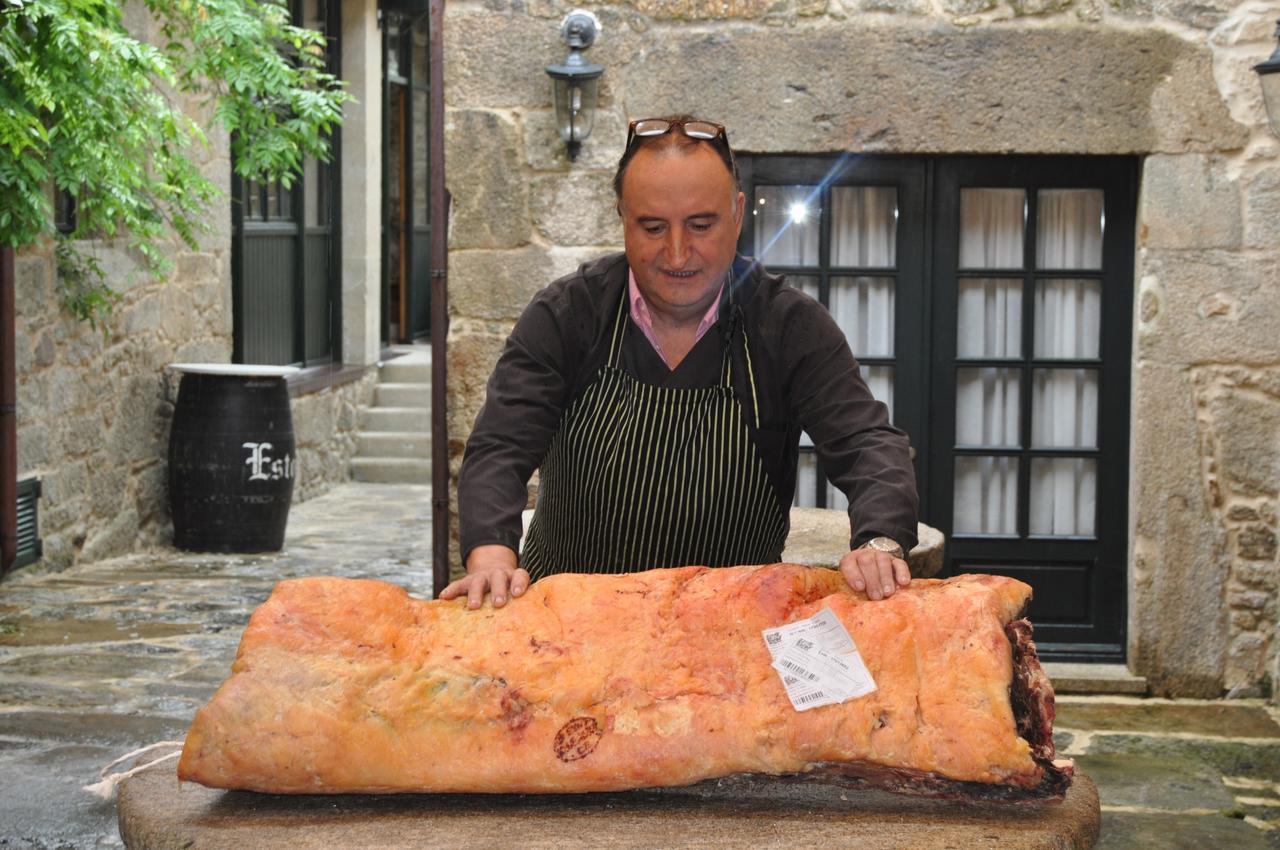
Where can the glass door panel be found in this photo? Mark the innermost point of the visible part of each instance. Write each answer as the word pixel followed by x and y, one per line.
pixel 1068 319
pixel 989 318
pixel 863 308
pixel 1069 229
pixel 1063 496
pixel 987 407
pixel 992 222
pixel 1064 409
pixel 864 226
pixel 986 495
pixel 787 221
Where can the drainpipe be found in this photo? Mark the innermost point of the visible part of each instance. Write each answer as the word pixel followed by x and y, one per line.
pixel 439 303
pixel 8 417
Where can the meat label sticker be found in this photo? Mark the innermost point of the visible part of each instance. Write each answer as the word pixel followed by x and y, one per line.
pixel 818 662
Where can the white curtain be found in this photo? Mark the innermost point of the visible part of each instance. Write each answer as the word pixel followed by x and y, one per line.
pixel 864 226
pixel 989 324
pixel 1067 325
pixel 1069 229
pixel 863 308
pixel 990 318
pixel 787 220
pixel 991 228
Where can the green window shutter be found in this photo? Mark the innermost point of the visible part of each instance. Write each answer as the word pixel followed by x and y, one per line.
pixel 29 546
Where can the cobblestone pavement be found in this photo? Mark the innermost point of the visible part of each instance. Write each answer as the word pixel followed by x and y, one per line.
pixel 109 656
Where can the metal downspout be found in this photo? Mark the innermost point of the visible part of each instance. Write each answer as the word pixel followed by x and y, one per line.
pixel 439 305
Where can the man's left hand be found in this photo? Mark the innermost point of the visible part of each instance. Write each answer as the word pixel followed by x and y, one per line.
pixel 877 573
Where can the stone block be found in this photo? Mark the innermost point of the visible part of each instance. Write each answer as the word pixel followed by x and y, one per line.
pixel 490 197
pixel 69 390
pixel 495 60
pixel 1024 8
pixel 138 432
pixel 1262 210
pixel 1246 430
pixel 893 7
pixel 1214 306
pixel 1179 565
pixel 315 418
pixel 112 534
pixel 496 285
pixel 144 316
pixel 704 10
pixel 1257 543
pixel 576 209
pixel 842 86
pixel 544 150
pixel 45 353
pixel 472 356
pixel 1258 575
pixel 1241 513
pixel 152 488
pixel 1187 109
pixel 1201 14
pixel 33 281
pixel 964 8
pixel 1187 202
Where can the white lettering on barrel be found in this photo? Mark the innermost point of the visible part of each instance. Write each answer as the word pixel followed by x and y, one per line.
pixel 265 468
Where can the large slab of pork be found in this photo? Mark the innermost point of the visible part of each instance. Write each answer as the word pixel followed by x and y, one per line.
pixel 595 683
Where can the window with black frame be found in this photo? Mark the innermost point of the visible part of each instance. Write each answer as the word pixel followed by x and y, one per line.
pixel 988 301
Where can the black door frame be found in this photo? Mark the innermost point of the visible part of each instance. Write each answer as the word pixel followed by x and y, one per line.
pixel 297 230
pixel 925 335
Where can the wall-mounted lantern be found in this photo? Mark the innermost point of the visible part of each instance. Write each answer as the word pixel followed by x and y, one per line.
pixel 574 82
pixel 1269 74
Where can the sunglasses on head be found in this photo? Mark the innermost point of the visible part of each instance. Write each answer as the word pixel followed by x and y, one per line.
pixel 707 131
pixel 693 128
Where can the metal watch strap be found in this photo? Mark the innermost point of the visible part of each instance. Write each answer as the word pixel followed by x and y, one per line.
pixel 885 544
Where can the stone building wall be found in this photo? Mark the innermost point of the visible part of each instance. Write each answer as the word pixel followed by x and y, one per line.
pixel 94 408
pixel 1167 80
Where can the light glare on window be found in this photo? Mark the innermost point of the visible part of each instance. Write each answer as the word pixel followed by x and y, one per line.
pixel 799 212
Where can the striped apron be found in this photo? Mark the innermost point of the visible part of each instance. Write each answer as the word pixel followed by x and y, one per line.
pixel 639 477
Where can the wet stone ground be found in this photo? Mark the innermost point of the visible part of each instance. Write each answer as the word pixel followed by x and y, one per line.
pixel 110 656
pixel 107 657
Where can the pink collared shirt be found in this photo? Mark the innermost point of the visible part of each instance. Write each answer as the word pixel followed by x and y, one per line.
pixel 644 319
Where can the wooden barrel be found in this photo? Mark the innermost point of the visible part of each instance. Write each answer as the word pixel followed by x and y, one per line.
pixel 232 459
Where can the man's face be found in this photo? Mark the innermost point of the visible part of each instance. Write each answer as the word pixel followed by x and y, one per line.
pixel 681 217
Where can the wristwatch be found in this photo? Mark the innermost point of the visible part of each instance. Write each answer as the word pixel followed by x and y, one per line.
pixel 885 544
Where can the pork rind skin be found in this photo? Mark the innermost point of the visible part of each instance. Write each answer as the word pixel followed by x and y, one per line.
pixel 595 683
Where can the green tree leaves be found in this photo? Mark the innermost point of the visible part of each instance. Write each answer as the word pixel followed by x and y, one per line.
pixel 87 107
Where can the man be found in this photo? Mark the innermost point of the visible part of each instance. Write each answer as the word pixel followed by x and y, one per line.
pixel 663 391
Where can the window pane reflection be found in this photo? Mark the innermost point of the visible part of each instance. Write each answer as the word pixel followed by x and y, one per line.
pixel 786 225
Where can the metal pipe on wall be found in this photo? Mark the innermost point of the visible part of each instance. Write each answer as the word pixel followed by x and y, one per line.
pixel 439 303
pixel 8 416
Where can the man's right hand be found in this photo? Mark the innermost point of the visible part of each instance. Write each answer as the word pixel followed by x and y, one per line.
pixel 490 569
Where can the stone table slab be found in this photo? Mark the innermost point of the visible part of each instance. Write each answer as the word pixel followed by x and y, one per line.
pixel 157 813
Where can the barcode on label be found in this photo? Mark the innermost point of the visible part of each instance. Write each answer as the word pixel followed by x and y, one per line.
pixel 773 638
pixel 798 670
pixel 816 695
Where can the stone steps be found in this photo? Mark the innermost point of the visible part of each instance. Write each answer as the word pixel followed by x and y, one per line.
pixel 393 443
